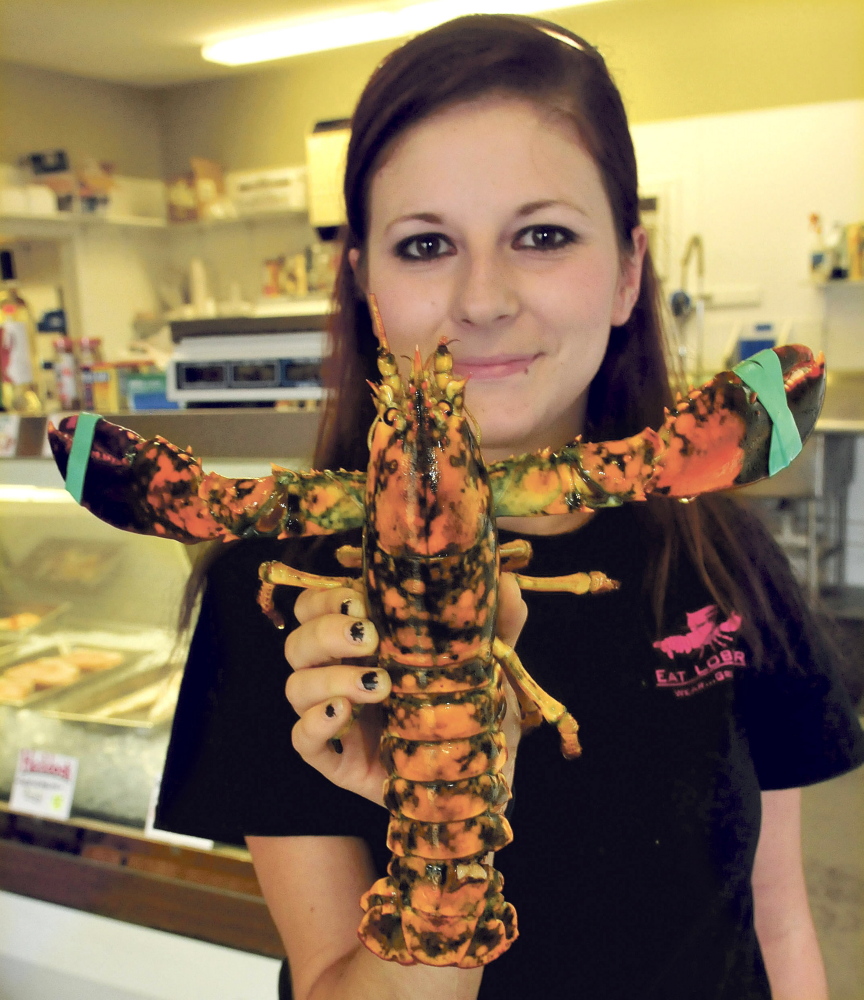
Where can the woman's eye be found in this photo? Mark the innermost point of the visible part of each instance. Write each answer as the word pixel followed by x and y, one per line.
pixel 426 246
pixel 543 238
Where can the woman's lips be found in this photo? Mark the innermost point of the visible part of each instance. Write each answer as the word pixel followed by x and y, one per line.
pixel 487 369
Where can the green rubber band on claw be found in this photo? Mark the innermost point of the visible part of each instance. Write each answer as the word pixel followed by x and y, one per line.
pixel 763 374
pixel 79 455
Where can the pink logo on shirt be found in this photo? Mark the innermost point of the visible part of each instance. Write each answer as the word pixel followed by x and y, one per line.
pixel 704 634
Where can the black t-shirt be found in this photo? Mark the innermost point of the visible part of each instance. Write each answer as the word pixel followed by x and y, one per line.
pixel 630 868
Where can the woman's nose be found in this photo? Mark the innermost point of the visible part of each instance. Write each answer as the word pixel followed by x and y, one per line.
pixel 484 293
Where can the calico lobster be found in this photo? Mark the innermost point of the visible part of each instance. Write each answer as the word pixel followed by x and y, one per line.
pixel 430 562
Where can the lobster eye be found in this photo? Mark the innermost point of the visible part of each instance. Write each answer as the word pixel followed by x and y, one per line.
pixel 392 416
pixel 446 407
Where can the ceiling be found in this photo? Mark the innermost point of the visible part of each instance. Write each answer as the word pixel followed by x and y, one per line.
pixel 150 43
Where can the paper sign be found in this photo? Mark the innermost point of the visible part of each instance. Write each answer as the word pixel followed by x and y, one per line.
pixel 325 160
pixel 168 836
pixel 44 784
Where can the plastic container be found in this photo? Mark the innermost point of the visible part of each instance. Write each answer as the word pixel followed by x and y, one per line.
pixel 758 338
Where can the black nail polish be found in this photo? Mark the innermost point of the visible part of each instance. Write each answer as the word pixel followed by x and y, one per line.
pixel 329 711
pixel 337 745
pixel 369 680
pixel 344 606
pixel 358 631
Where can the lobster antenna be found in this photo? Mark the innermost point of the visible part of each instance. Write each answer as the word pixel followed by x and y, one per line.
pixel 377 325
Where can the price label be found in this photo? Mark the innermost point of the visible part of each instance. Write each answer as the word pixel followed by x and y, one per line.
pixel 44 784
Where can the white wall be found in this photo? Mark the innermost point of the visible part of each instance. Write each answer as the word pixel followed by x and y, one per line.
pixel 747 183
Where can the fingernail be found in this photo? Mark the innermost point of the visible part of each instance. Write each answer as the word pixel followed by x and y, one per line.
pixel 330 711
pixel 337 745
pixel 344 606
pixel 357 631
pixel 370 680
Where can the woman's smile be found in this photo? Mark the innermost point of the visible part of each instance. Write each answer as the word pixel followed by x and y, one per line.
pixel 488 369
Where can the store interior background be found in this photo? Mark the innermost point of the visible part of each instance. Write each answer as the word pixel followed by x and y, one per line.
pixel 748 116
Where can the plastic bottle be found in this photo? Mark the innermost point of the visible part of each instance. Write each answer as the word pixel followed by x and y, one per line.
pixel 19 354
pixel 66 373
pixel 89 355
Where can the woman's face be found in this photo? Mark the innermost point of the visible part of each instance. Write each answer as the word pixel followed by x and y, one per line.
pixel 489 225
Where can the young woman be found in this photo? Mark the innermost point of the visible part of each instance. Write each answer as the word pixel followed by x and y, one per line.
pixel 492 199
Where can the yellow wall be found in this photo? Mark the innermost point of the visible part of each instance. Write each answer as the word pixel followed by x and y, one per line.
pixel 41 110
pixel 678 58
pixel 261 119
pixel 672 59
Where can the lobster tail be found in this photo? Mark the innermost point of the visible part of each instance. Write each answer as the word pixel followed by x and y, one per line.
pixel 441 913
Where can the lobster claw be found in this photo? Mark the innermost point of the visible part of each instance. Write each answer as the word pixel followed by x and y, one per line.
pixel 155 488
pixel 738 428
pixel 110 490
pixel 149 487
pixel 743 425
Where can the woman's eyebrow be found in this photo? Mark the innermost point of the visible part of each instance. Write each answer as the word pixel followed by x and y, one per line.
pixel 537 206
pixel 430 217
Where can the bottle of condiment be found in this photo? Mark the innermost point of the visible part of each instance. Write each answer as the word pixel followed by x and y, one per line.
pixel 66 374
pixel 19 350
pixel 89 355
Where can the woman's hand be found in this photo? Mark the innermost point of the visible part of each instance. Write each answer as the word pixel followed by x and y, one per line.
pixel 324 690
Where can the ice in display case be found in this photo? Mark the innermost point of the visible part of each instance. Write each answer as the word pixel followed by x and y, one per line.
pixel 90 656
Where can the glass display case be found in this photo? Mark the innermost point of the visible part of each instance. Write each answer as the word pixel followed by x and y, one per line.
pixel 90 666
pixel 90 655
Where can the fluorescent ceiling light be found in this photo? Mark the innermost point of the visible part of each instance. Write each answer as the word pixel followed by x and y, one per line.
pixel 335 31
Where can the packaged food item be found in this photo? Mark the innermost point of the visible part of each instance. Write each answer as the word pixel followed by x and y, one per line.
pixel 110 381
pixel 182 203
pixel 209 184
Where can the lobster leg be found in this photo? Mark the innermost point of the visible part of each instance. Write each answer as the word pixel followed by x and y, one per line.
pixel 276 574
pixel 350 556
pixel 594 582
pixel 515 555
pixel 535 702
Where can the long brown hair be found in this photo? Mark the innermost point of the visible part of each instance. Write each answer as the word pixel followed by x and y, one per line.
pixel 539 61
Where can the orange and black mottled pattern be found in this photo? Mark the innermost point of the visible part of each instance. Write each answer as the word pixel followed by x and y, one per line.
pixel 155 488
pixel 431 575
